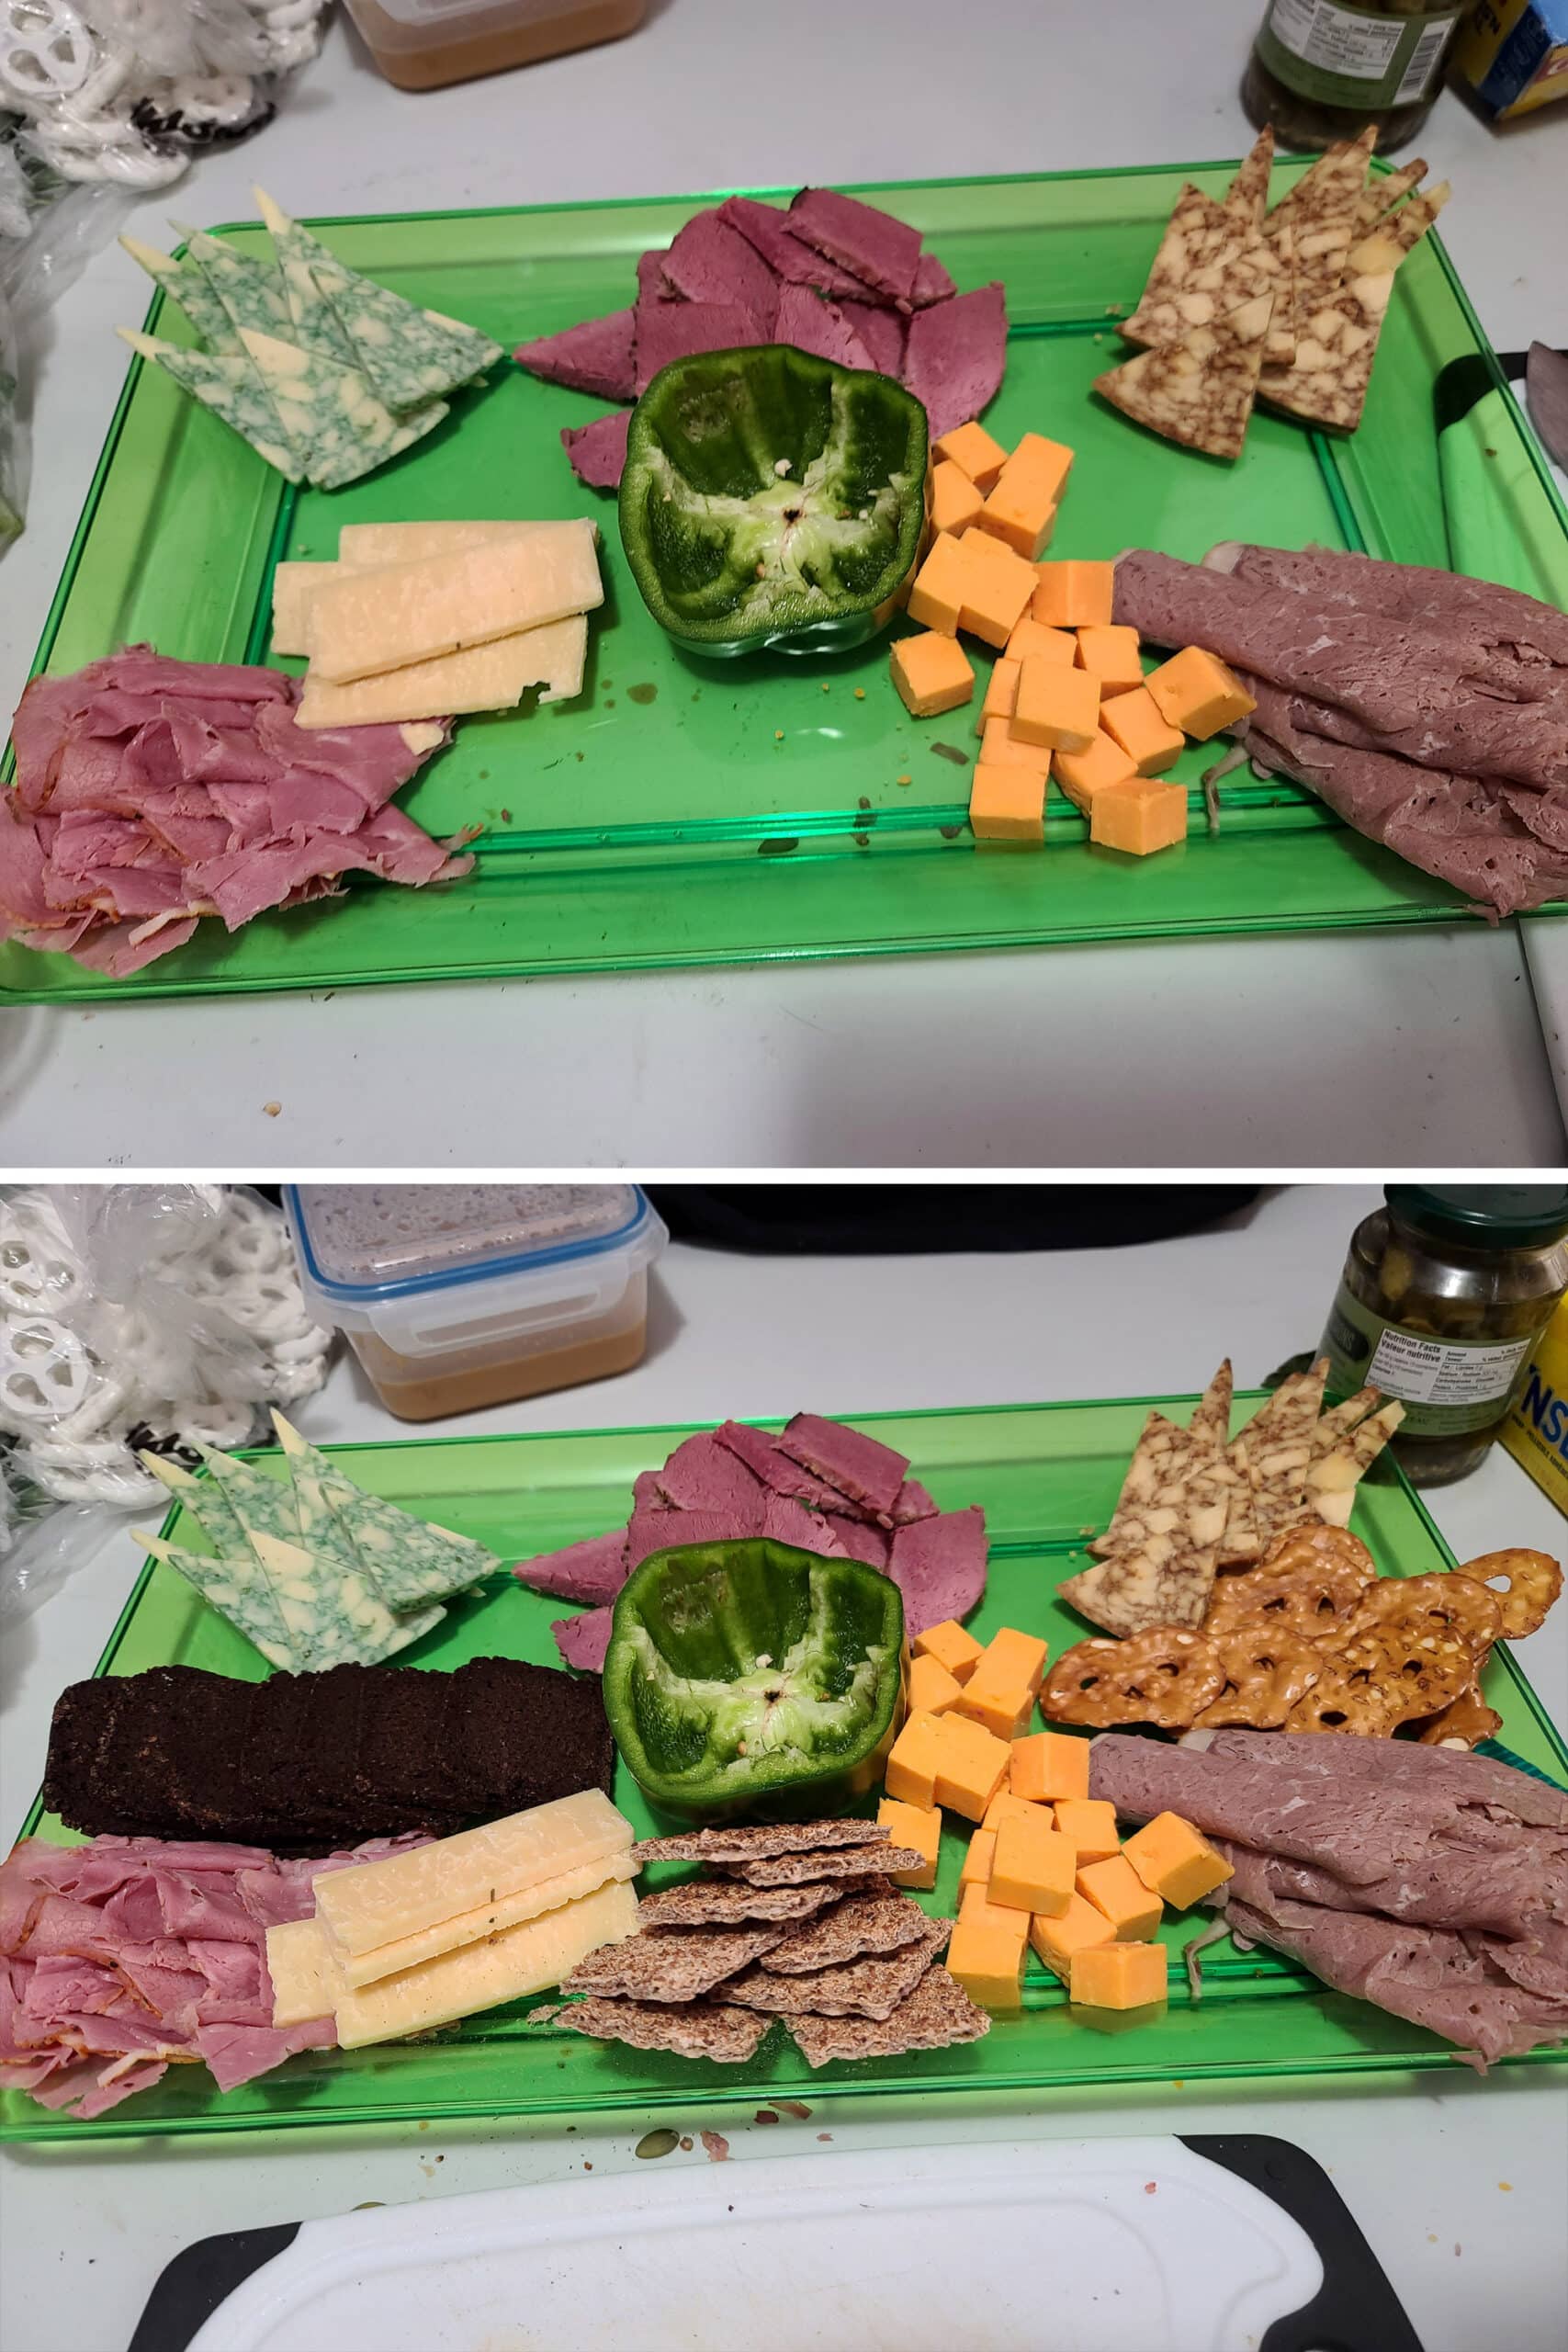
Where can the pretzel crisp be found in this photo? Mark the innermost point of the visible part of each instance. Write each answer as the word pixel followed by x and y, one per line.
pixel 1165 1676
pixel 1418 1668
pixel 1321 1547
pixel 1342 1702
pixel 1266 1670
pixel 1524 1584
pixel 1312 1603
pixel 1453 1604
pixel 1465 1723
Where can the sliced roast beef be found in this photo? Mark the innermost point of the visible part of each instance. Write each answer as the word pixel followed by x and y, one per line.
pixel 882 253
pixel 1360 583
pixel 597 451
pixel 595 357
pixel 710 261
pixel 955 354
pixel 939 1565
pixel 798 264
pixel 592 1571
pixel 583 1640
pixel 1446 1773
pixel 862 1467
pixel 812 323
pixel 702 1475
pixel 669 331
pixel 1446 695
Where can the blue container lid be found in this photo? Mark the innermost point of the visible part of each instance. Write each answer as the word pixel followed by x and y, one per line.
pixel 364 1243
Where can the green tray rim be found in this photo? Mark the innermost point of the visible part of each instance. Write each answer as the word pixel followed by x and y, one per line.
pixel 512 963
pixel 63 2135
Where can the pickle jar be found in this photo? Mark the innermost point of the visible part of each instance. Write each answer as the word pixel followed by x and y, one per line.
pixel 1444 1292
pixel 1321 70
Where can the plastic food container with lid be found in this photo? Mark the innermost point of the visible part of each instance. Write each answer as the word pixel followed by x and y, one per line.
pixel 423 44
pixel 454 1297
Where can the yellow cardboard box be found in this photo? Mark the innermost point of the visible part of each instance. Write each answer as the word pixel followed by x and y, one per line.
pixel 1536 1432
pixel 1513 55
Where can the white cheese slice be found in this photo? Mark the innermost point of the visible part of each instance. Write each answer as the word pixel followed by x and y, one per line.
pixel 486 1919
pixel 508 1967
pixel 371 1904
pixel 332 412
pixel 361 545
pixel 312 319
pixel 409 355
pixel 306 1981
pixel 229 386
pixel 293 584
pixel 367 622
pixel 186 283
pixel 483 677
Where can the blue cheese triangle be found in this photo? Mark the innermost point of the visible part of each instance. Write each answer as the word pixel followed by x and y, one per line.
pixel 332 412
pixel 333 1618
pixel 251 293
pixel 240 1589
pixel 262 1505
pixel 410 1560
pixel 230 386
pixel 312 321
pixel 409 355
pixel 208 1504
pixel 188 284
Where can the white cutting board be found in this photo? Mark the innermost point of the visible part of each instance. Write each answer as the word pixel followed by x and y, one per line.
pixel 1088 2245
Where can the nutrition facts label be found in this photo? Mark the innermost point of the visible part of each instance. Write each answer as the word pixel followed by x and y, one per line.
pixel 1434 1372
pixel 1362 47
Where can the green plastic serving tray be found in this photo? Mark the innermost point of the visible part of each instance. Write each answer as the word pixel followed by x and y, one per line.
pixel 684 812
pixel 1044 1474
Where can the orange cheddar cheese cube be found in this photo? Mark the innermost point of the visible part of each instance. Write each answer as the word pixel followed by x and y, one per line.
pixel 1007 804
pixel 987 1964
pixel 1005 1712
pixel 1110 653
pixel 1000 748
pixel 1175 1861
pixel 1005 1801
pixel 1089 1825
pixel 1083 774
pixel 1081 1928
pixel 912 1762
pixel 1057 706
pixel 1050 1766
pixel 932 673
pixel 1114 1887
pixel 1051 644
pixel 997 586
pixel 948 1642
pixel 931 1688
pixel 972 449
pixel 1195 692
pixel 979 1908
pixel 1139 817
pixel 1119 1976
pixel 1073 594
pixel 1135 721
pixel 1021 507
pixel 1000 692
pixel 1032 1868
pixel 971 1765
pixel 916 1826
pixel 1011 1660
pixel 955 502
pixel 937 597
pixel 976 1871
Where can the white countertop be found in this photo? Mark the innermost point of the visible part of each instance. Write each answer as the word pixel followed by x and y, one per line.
pixel 1460 2184
pixel 1417 1047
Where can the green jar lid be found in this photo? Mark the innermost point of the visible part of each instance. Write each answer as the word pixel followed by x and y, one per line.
pixel 1484 1217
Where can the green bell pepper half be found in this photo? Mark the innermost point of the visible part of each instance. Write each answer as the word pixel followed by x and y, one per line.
pixel 772 500
pixel 745 1677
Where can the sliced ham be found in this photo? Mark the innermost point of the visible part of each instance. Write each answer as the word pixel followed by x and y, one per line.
pixel 123 1954
pixel 151 793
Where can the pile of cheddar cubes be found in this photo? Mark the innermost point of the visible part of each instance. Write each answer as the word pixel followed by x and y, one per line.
pixel 1046 1867
pixel 1068 695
